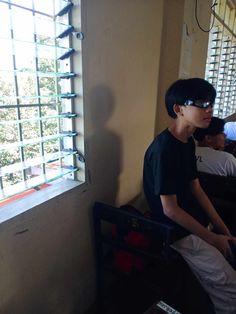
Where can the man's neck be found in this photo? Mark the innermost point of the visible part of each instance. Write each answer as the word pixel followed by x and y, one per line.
pixel 181 132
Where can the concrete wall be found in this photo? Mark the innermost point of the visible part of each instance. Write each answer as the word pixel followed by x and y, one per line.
pixel 46 254
pixel 121 61
pixel 184 48
pixel 132 51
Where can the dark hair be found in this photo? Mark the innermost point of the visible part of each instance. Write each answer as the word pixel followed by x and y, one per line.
pixel 215 127
pixel 188 89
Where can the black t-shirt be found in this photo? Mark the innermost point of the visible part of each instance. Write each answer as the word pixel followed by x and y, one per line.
pixel 169 167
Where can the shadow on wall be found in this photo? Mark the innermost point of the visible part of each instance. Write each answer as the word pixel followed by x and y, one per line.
pixel 103 146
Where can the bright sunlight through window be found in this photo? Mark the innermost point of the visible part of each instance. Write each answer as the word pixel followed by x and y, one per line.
pixel 40 107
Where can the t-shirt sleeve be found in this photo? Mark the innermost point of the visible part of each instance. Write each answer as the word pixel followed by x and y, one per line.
pixel 230 166
pixel 164 173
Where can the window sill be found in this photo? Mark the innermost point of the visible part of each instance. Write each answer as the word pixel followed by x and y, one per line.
pixel 26 203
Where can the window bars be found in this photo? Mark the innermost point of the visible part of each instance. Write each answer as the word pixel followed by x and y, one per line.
pixel 37 101
pixel 221 60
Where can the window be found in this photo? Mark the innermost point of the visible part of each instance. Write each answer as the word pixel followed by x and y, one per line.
pixel 40 94
pixel 221 60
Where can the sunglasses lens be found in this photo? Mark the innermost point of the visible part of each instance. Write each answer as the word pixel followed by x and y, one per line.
pixel 203 104
pixel 198 103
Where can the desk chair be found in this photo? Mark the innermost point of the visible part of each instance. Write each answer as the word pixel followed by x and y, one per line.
pixel 178 286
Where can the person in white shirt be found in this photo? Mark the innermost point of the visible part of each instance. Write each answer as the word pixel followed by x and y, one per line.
pixel 209 153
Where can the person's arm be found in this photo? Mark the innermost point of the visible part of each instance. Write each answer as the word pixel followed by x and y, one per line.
pixel 230 165
pixel 181 217
pixel 207 206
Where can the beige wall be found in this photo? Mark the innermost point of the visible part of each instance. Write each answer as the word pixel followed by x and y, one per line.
pixel 184 48
pixel 194 40
pixel 46 254
pixel 170 56
pixel 132 51
pixel 121 60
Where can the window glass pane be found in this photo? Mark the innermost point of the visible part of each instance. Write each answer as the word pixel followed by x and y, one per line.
pixel 29 113
pixel 21 32
pixel 12 178
pixel 50 126
pixel 8 134
pixel 5 21
pixel 45 29
pixel 7 90
pixel 10 156
pixel 24 3
pixel 34 171
pixel 31 151
pixel 37 140
pixel 44 6
pixel 52 146
pixel 6 60
pixel 30 130
pixel 24 56
pixel 27 85
pixel 47 86
pixel 50 110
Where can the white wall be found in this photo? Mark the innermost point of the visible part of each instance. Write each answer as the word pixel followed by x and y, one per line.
pixel 46 254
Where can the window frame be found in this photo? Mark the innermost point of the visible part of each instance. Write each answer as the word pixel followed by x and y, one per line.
pixel 77 87
pixel 221 58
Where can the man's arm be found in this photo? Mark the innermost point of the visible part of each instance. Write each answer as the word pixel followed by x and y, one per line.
pixel 181 217
pixel 207 206
pixel 230 165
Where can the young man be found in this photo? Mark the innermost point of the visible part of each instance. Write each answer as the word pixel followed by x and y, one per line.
pixel 209 153
pixel 175 196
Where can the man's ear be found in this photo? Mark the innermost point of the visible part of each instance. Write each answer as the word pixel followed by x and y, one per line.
pixel 177 109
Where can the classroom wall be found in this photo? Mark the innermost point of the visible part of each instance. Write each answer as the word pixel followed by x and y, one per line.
pixel 184 48
pixel 132 51
pixel 46 254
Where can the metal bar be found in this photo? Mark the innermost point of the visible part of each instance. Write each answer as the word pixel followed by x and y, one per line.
pixel 34 183
pixel 25 8
pixel 68 115
pixel 46 159
pixel 57 100
pixel 37 140
pixel 17 93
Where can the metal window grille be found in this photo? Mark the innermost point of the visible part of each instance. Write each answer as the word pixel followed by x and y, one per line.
pixel 221 59
pixel 38 139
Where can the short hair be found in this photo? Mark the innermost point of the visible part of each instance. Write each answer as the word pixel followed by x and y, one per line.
pixel 188 89
pixel 215 127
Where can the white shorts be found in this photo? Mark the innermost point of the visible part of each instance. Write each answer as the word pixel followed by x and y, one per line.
pixel 215 274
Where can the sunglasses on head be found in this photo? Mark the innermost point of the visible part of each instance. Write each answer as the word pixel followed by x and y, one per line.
pixel 198 103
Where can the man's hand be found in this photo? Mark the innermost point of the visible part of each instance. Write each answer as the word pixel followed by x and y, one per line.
pixel 221 242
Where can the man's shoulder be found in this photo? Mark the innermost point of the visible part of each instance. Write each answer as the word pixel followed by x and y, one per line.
pixel 211 151
pixel 205 150
pixel 163 137
pixel 161 142
pixel 229 156
pixel 225 155
pixel 217 155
